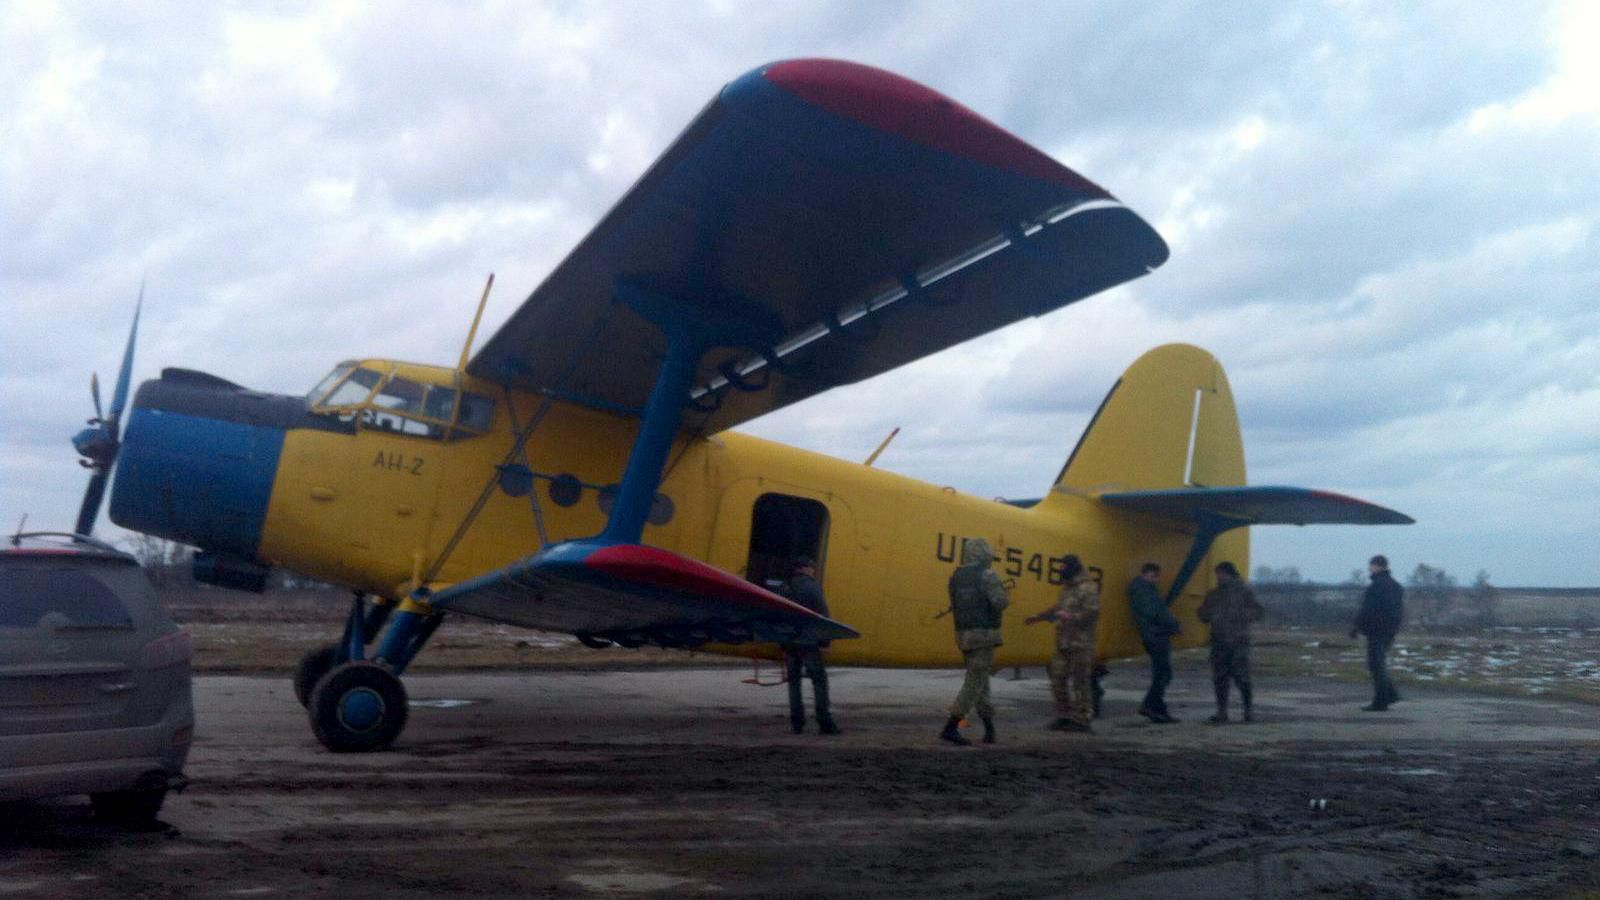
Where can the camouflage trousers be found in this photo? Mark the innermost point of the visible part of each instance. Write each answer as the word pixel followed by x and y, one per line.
pixel 1230 663
pixel 975 687
pixel 1070 671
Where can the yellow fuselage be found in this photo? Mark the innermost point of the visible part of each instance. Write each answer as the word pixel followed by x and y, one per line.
pixel 373 509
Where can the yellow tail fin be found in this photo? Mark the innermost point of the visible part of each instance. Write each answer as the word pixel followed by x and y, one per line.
pixel 1168 422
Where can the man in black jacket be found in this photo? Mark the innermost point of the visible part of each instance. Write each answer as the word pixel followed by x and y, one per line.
pixel 1379 619
pixel 805 656
pixel 1156 625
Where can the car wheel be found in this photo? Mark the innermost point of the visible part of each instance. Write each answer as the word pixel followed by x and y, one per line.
pixel 313 666
pixel 359 707
pixel 138 807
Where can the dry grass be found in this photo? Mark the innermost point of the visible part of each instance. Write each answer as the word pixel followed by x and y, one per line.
pixel 1515 661
pixel 237 632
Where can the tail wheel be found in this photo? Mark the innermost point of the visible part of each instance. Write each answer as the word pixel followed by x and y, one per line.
pixel 359 707
pixel 313 666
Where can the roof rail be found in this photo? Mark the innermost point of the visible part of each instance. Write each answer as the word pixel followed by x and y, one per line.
pixel 16 540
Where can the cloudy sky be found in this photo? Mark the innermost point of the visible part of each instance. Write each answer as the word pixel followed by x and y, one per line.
pixel 1383 220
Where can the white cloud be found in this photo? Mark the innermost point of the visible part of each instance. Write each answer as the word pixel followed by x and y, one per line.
pixel 1383 221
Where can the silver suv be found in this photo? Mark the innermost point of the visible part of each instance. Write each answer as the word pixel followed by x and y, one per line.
pixel 94 679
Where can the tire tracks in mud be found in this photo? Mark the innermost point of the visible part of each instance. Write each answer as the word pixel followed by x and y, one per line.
pixel 493 817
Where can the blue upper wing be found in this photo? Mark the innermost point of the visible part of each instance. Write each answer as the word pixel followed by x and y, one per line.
pixel 876 219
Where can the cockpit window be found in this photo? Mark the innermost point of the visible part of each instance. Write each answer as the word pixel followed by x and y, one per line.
pixel 401 405
pixel 326 384
pixel 398 404
pixel 353 390
pixel 401 395
pixel 477 413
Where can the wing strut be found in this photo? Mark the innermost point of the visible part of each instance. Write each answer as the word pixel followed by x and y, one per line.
pixel 1211 525
pixel 690 333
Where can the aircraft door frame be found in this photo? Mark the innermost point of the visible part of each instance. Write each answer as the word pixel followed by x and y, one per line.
pixel 840 558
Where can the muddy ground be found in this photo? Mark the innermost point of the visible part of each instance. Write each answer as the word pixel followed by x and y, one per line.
pixel 686 782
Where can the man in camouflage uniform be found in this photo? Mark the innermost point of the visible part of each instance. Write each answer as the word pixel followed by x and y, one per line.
pixel 977 600
pixel 1075 613
pixel 1230 608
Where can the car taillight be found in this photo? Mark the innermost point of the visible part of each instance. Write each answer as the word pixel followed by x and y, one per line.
pixel 170 650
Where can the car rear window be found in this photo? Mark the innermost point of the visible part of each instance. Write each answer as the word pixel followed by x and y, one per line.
pixel 56 597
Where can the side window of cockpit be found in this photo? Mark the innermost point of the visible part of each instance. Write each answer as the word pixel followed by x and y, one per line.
pixel 440 403
pixel 396 407
pixel 476 415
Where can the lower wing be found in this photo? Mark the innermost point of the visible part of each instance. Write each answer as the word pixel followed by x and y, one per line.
pixel 631 594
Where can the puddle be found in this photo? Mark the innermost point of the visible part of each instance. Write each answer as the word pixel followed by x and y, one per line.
pixel 630 882
pixel 442 704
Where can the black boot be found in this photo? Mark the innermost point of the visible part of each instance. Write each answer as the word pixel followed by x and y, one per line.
pixel 952 732
pixel 988 729
pixel 827 726
pixel 1221 718
pixel 1244 693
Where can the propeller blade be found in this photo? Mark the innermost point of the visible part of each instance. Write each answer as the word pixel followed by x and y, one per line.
pixel 99 443
pixel 90 510
pixel 119 397
pixel 94 391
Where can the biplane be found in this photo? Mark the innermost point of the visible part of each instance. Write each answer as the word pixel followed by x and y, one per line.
pixel 818 223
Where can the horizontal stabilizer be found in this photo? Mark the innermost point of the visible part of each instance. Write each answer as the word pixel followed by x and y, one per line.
pixel 1256 505
pixel 632 594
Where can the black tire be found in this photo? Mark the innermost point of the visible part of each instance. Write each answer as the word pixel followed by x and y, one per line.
pixel 359 707
pixel 135 808
pixel 313 666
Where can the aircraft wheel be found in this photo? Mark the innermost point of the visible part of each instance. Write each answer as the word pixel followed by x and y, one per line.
pixel 313 666
pixel 359 707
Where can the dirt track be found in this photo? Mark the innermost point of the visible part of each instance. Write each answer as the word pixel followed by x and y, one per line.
pixel 687 782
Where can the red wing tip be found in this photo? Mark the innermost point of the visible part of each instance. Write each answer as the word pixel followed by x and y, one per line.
pixel 918 113
pixel 678 570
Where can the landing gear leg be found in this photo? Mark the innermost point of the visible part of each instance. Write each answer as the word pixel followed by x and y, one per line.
pixel 319 662
pixel 360 706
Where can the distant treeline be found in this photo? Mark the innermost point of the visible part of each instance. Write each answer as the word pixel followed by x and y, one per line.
pixel 1433 600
